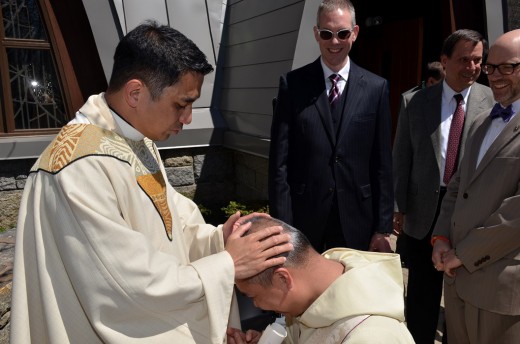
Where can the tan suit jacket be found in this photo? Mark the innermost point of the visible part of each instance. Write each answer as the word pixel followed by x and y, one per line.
pixel 480 214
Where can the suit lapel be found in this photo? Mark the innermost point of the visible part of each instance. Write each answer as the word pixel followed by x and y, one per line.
pixel 322 101
pixel 476 104
pixel 476 142
pixel 355 85
pixel 511 130
pixel 432 118
pixel 322 105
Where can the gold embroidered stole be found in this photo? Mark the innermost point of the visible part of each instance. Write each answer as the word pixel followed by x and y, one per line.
pixel 77 141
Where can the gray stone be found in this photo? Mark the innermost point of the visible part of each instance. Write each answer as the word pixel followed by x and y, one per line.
pixel 180 176
pixel 7 183
pixel 178 161
pixel 9 206
pixel 20 181
pixel 188 191
pixel 214 166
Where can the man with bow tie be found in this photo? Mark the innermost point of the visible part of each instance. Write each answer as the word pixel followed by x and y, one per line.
pixel 477 235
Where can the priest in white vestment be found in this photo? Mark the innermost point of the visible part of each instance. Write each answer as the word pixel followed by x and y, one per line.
pixel 106 250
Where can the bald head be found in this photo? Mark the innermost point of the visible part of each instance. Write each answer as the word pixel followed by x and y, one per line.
pixel 508 38
pixel 502 69
pixel 508 43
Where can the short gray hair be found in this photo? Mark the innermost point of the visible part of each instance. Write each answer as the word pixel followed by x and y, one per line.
pixel 296 257
pixel 332 5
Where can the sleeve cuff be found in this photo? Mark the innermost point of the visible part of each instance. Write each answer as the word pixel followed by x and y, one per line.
pixel 439 237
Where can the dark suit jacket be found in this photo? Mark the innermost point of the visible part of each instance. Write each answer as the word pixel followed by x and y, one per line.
pixel 417 155
pixel 481 215
pixel 308 161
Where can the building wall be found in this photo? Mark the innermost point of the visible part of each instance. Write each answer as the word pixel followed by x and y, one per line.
pixel 259 41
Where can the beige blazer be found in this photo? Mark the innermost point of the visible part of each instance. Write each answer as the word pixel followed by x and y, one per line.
pixel 481 215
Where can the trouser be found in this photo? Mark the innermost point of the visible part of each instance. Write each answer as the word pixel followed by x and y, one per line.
pixel 467 324
pixel 424 290
pixel 333 233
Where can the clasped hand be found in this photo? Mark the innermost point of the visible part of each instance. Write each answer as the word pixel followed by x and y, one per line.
pixel 445 259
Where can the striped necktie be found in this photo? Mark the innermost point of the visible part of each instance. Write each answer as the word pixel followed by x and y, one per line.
pixel 334 90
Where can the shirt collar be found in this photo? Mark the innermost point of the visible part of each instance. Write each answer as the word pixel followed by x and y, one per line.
pixel 448 93
pixel 127 130
pixel 343 71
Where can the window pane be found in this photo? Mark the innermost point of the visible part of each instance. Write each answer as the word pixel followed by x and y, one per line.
pixel 35 89
pixel 22 19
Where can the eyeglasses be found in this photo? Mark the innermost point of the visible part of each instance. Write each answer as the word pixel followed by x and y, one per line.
pixel 327 34
pixel 504 69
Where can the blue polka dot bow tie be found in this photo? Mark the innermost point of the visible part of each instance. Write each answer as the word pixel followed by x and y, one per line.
pixel 499 111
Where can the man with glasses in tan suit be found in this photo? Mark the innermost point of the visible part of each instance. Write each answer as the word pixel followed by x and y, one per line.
pixel 476 240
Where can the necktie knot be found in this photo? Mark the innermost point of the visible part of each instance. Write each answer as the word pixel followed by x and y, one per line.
pixel 335 78
pixel 499 111
pixel 458 97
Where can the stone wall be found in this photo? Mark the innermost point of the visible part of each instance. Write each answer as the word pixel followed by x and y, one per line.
pixel 13 174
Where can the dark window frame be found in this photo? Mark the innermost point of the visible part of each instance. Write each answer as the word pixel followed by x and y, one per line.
pixel 72 97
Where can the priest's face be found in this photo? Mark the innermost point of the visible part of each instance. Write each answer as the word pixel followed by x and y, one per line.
pixel 159 118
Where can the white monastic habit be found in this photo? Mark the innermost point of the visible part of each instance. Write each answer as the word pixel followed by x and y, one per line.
pixel 364 305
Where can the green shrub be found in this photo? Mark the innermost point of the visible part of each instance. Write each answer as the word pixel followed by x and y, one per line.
pixel 246 208
pixel 218 214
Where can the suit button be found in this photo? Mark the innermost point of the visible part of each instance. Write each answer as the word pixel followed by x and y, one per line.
pixel 465 195
pixel 337 159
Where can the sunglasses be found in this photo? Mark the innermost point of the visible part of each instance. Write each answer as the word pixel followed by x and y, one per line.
pixel 340 34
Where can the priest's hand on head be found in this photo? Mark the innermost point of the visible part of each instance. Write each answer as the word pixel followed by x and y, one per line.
pixel 256 252
pixel 235 221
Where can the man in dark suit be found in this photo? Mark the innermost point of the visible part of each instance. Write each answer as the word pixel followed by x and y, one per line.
pixel 434 74
pixel 420 152
pixel 477 236
pixel 330 164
